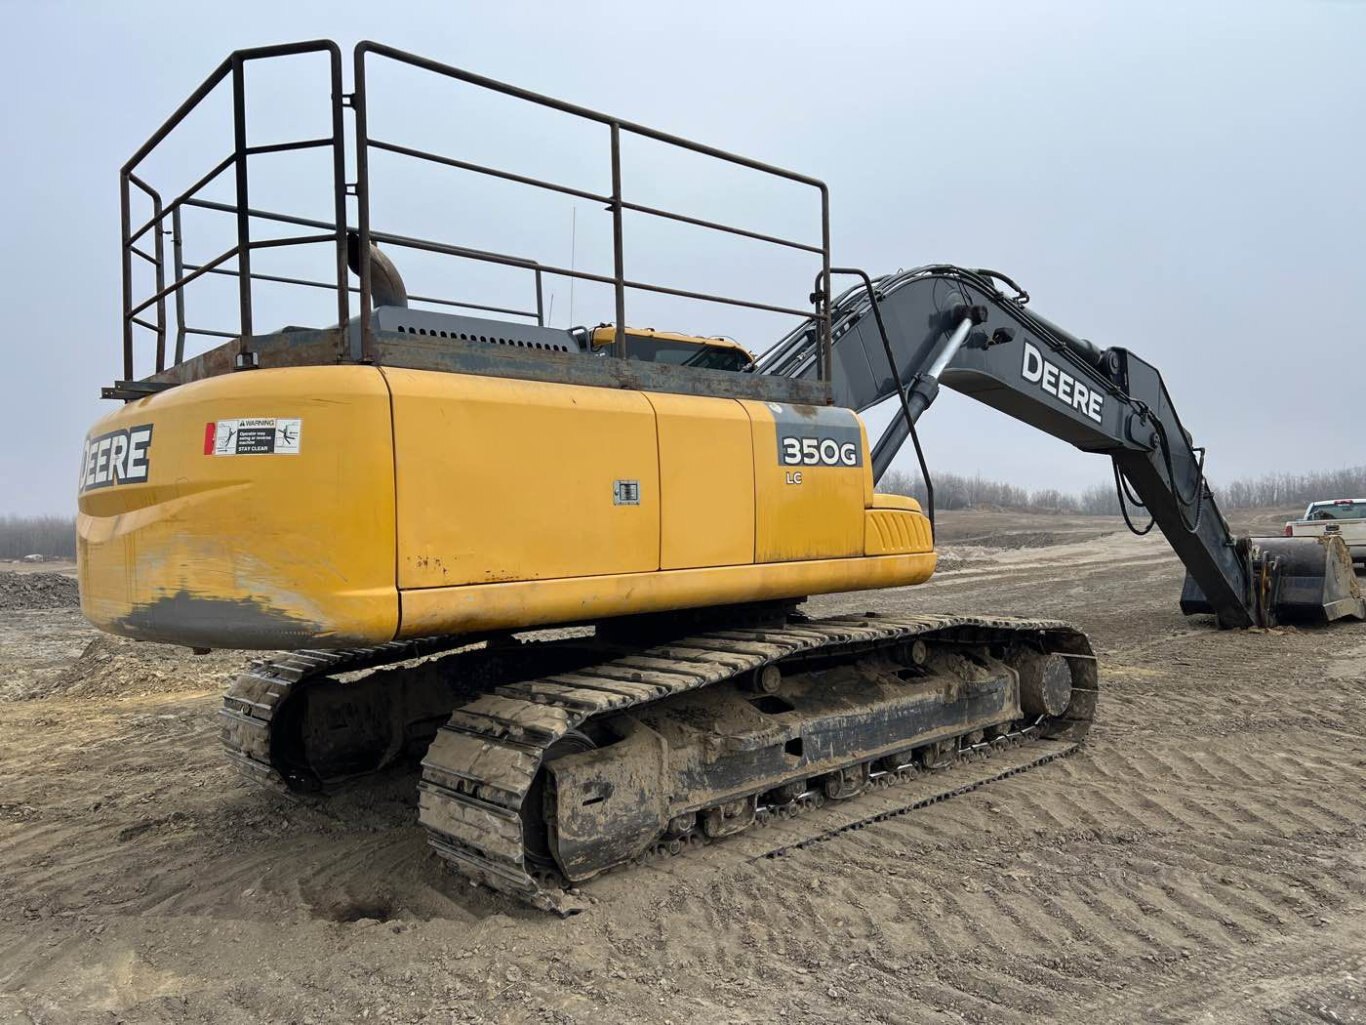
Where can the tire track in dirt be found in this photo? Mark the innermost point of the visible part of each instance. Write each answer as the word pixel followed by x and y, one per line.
pixel 1203 859
pixel 1221 835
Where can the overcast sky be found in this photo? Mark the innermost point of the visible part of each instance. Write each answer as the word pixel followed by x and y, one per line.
pixel 1185 181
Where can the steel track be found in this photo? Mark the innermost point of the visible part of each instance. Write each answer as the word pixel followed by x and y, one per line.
pixel 479 769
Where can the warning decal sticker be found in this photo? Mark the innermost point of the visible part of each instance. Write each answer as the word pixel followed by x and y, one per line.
pixel 251 437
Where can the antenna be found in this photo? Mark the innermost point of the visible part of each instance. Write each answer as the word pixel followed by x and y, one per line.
pixel 573 245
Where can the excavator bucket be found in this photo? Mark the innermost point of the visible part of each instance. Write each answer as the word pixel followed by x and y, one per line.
pixel 1293 579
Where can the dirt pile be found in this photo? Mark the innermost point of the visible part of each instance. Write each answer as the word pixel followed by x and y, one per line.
pixel 950 560
pixel 1013 539
pixel 49 650
pixel 987 549
pixel 37 591
pixel 117 667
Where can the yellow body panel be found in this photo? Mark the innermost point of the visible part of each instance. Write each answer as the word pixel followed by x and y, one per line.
pixel 904 503
pixel 706 482
pixel 279 550
pixel 895 524
pixel 584 599
pixel 807 511
pixel 889 532
pixel 412 503
pixel 501 479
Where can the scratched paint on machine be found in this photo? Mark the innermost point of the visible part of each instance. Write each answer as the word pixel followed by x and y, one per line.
pixel 253 436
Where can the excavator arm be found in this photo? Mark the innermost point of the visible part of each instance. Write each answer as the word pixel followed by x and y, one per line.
pixel 906 334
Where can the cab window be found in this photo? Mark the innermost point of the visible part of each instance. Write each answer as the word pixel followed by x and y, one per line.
pixel 1338 511
pixel 684 354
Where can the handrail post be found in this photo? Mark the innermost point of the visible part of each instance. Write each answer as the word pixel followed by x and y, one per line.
pixel 159 250
pixel 339 185
pixel 126 218
pixel 178 267
pixel 362 192
pixel 239 127
pixel 618 247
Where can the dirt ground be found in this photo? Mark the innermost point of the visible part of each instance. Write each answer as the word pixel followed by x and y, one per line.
pixel 1203 859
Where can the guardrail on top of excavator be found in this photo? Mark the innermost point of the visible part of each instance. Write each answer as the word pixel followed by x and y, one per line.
pixel 235 262
pixel 233 68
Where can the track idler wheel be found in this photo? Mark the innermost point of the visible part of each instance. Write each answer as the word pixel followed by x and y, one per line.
pixel 847 782
pixel 1045 684
pixel 939 755
pixel 900 763
pixel 731 817
pixel 766 680
pixel 681 826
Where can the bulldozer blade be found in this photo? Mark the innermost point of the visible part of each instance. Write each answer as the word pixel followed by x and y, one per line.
pixel 1292 579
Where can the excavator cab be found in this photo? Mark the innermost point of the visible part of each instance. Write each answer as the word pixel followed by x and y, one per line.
pixel 653 346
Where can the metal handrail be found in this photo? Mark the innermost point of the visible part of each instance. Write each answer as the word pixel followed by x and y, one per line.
pixel 335 231
pixel 233 68
pixel 615 202
pixel 399 240
pixel 355 290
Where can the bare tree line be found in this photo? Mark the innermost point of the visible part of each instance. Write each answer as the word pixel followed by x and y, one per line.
pixel 1295 488
pixel 954 491
pixel 50 536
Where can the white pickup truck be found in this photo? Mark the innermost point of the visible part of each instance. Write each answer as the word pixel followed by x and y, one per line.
pixel 1345 517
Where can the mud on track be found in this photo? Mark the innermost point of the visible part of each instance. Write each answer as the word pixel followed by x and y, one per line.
pixel 1203 859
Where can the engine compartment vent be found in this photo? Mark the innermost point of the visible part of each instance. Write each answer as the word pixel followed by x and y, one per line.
pixel 464 336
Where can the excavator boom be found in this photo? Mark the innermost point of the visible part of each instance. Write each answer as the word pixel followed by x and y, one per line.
pixel 904 334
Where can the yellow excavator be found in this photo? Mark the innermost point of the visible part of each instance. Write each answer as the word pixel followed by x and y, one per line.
pixel 402 503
